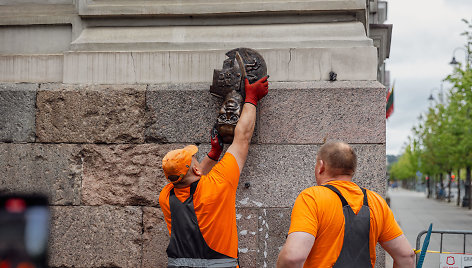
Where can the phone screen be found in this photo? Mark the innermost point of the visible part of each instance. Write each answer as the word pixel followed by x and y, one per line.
pixel 24 231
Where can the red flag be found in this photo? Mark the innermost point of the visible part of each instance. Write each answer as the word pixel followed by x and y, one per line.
pixel 389 106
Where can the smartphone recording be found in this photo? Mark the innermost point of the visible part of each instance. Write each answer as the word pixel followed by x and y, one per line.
pixel 24 231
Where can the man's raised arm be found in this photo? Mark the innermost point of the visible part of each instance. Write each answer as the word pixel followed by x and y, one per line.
pixel 216 148
pixel 245 126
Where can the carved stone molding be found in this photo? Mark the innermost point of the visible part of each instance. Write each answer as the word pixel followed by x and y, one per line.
pixel 202 7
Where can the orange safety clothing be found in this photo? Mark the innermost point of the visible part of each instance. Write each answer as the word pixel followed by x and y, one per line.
pixel 318 211
pixel 215 205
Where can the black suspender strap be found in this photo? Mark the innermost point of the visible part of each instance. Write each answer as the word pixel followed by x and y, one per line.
pixel 355 250
pixel 193 188
pixel 187 247
pixel 343 200
pixel 366 203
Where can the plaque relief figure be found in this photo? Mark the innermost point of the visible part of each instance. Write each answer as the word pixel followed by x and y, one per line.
pixel 228 83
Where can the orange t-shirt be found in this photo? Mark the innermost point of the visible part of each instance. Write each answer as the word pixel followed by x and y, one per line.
pixel 318 211
pixel 214 201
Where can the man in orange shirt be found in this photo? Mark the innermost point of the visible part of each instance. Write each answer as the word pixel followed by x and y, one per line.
pixel 199 203
pixel 337 223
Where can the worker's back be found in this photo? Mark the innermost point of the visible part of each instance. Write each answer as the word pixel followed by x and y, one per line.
pixel 318 211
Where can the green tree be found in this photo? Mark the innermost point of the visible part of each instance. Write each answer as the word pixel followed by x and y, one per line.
pixel 407 165
pixel 460 109
pixel 442 141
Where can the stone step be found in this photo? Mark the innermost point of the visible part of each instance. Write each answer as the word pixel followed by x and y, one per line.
pixel 176 54
pixel 36 68
pixel 222 37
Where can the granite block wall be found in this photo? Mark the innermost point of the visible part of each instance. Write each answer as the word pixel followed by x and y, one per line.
pixel 96 151
pixel 17 112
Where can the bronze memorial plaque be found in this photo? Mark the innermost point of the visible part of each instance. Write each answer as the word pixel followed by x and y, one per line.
pixel 228 83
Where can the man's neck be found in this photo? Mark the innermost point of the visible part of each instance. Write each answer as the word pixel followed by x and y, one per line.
pixel 186 182
pixel 337 178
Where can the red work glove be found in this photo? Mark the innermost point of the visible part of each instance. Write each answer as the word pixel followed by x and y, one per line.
pixel 256 91
pixel 216 144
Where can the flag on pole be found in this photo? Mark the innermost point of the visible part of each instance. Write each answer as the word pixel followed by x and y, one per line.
pixel 389 106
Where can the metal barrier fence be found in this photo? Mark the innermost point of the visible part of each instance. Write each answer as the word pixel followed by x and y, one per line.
pixel 442 232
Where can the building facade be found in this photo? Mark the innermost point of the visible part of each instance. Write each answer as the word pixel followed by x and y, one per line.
pixel 93 93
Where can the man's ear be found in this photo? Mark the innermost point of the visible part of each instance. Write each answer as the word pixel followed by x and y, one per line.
pixel 196 170
pixel 322 166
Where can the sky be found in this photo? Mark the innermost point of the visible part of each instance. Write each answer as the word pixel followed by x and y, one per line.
pixel 424 36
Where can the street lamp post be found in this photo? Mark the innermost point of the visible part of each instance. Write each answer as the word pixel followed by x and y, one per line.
pixel 454 62
pixel 466 200
pixel 440 94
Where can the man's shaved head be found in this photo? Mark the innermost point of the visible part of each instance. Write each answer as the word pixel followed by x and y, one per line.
pixel 339 158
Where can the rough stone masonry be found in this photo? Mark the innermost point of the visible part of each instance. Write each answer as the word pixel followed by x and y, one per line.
pixel 96 151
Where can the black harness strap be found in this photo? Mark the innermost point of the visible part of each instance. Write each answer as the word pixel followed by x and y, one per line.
pixel 187 247
pixel 355 251
pixel 343 200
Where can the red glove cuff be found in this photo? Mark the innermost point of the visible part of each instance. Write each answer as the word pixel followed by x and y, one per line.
pixel 214 154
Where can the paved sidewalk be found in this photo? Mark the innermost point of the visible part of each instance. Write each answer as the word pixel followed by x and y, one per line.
pixel 414 212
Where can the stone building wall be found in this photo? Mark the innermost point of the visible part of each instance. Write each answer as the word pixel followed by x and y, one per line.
pixel 96 151
pixel 87 113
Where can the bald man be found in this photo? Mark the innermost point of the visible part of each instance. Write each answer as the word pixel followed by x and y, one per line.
pixel 338 223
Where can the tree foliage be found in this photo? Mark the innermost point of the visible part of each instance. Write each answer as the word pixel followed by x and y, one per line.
pixel 406 166
pixel 442 140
